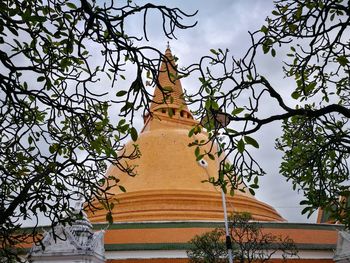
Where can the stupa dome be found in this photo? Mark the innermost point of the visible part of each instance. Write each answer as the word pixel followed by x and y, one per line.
pixel 168 185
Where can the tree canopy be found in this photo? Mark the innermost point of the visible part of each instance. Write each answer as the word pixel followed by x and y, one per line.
pixel 250 243
pixel 56 132
pixel 209 247
pixel 57 137
pixel 314 111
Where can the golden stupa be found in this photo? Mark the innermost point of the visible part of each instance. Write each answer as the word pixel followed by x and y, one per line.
pixel 168 185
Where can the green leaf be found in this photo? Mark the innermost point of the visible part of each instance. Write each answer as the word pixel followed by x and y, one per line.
pixel 39 19
pixel 342 60
pixel 214 105
pixel 109 217
pixel 208 104
pixel 148 75
pixel 254 186
pixel 133 134
pixel 237 111
pixel 199 157
pixel 310 87
pixel 40 79
pixel 305 210
pixel 167 89
pixel 266 48
pixel 273 52
pixel 190 133
pixel 122 188
pixel 212 157
pixel 251 191
pixel 295 95
pixel 53 148
pixel 121 93
pixel 292 28
pixel 197 151
pixel 214 51
pixel 126 58
pixel 264 29
pixel 128 105
pixel 299 12
pixel 197 129
pixel 71 5
pixel 240 146
pixel 65 62
pixel 304 202
pixel 251 141
pixel 23 209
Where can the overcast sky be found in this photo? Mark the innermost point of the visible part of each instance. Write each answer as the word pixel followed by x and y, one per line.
pixel 225 24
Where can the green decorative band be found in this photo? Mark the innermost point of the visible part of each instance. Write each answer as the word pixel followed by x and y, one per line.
pixel 154 225
pixel 274 225
pixel 144 246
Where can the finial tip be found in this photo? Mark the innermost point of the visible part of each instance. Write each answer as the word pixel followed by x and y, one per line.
pixel 168 45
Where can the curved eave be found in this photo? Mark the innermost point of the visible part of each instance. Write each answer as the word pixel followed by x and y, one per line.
pixel 170 205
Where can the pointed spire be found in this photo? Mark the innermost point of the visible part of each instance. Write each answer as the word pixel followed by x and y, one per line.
pixel 167 80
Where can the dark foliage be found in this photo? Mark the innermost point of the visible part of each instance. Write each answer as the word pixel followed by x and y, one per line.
pixel 56 132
